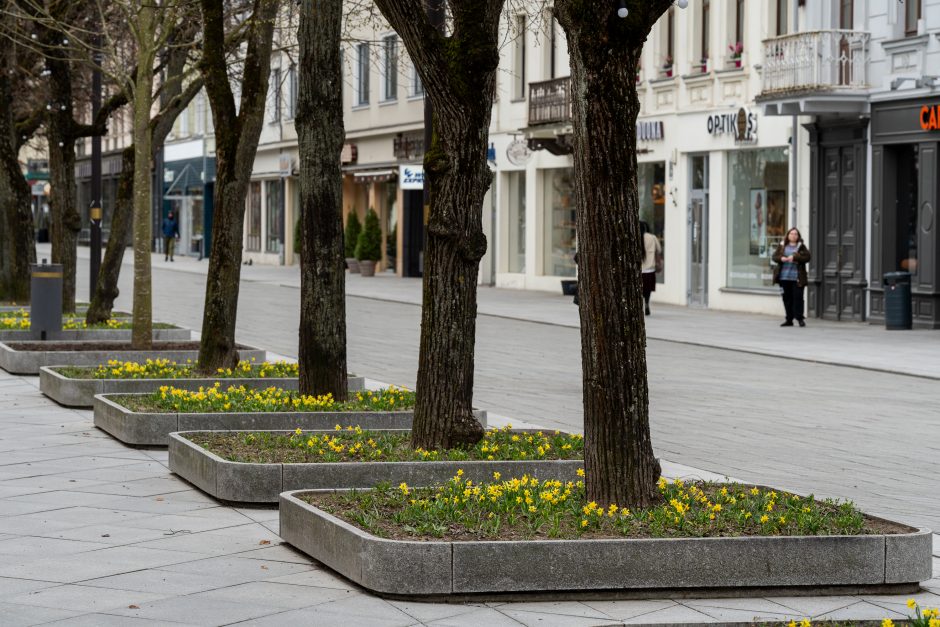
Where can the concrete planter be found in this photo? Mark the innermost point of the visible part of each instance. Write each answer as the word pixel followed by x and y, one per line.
pixel 655 567
pixel 262 483
pixel 154 429
pixel 29 362
pixel 96 335
pixel 81 392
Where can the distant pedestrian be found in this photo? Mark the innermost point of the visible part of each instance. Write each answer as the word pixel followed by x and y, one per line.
pixel 171 232
pixel 791 258
pixel 652 262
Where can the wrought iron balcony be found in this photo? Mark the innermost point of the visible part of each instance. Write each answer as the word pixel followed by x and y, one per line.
pixel 550 101
pixel 815 61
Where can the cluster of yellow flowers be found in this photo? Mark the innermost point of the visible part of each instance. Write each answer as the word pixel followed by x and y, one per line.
pixel 15 320
pixel 19 320
pixel 167 369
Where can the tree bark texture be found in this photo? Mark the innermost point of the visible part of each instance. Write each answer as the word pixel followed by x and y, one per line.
pixel 66 221
pixel 17 237
pixel 236 136
pixel 459 75
pixel 322 349
pixel 619 463
pixel 122 217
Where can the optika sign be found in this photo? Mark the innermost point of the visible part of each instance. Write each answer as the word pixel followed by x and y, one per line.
pixel 930 118
pixel 650 130
pixel 743 125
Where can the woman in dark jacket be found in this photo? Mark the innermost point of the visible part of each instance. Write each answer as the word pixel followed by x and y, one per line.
pixel 791 258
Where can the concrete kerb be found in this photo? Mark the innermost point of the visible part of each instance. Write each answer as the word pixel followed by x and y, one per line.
pixel 29 362
pixel 81 392
pixel 658 567
pixel 97 335
pixel 154 428
pixel 239 482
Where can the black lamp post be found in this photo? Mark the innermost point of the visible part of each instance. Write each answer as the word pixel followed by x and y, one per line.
pixel 94 212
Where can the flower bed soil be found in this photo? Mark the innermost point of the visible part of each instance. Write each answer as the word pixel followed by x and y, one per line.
pixel 740 565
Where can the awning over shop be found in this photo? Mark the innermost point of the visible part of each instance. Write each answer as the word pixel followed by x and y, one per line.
pixel 375 176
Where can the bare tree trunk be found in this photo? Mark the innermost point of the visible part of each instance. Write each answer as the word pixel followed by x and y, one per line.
pixel 237 135
pixel 320 141
pixel 619 463
pixel 459 74
pixel 142 333
pixel 17 238
pixel 122 217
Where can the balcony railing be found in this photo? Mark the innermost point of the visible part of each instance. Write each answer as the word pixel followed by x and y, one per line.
pixel 828 60
pixel 550 101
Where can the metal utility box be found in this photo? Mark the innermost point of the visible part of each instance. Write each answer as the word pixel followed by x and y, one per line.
pixel 46 301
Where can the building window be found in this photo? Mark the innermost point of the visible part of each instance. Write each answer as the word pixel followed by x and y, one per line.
pixel 703 38
pixel 846 14
pixel 561 239
pixel 651 184
pixel 253 221
pixel 757 197
pixel 516 196
pixel 739 22
pixel 362 72
pixel 391 67
pixel 518 60
pixel 912 13
pixel 276 95
pixel 417 87
pixel 274 206
pixel 292 92
pixel 781 17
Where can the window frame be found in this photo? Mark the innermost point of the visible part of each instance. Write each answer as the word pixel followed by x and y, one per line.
pixel 362 73
pixel 519 58
pixel 910 29
pixel 782 17
pixel 390 67
pixel 275 89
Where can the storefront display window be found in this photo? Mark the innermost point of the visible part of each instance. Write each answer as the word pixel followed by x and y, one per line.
pixel 757 216
pixel 275 216
pixel 516 195
pixel 253 220
pixel 651 183
pixel 561 239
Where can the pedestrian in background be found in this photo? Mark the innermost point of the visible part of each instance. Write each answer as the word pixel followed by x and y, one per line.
pixel 652 262
pixel 791 258
pixel 171 231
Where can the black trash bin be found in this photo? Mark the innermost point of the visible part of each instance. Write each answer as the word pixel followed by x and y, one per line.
pixel 45 310
pixel 898 313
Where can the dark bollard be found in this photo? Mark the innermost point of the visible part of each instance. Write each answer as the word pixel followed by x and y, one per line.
pixel 46 301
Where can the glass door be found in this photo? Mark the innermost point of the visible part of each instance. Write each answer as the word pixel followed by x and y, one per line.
pixel 698 233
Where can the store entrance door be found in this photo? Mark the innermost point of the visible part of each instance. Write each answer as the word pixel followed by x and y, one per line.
pixel 698 233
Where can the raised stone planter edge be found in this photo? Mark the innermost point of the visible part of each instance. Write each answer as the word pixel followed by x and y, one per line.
pixel 97 335
pixel 438 568
pixel 81 392
pixel 262 483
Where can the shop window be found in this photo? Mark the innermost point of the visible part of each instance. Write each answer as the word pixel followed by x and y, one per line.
pixel 651 184
pixel 390 68
pixel 516 196
pixel 912 14
pixel 757 220
pixel 518 59
pixel 561 239
pixel 274 205
pixel 253 220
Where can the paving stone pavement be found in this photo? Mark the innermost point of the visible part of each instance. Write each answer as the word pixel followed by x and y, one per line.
pixel 95 533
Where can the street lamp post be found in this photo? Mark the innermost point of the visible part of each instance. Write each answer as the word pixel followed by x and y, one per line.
pixel 94 212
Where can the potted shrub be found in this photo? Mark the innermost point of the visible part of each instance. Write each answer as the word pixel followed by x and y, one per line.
pixel 369 245
pixel 350 239
pixel 735 57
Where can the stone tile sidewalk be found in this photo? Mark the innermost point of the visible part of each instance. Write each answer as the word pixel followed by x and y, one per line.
pixel 95 533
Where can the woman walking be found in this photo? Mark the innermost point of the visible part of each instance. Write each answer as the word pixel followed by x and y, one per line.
pixel 791 258
pixel 652 256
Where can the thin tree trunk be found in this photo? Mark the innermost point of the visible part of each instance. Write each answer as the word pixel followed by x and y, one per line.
pixel 619 462
pixel 122 217
pixel 17 238
pixel 459 74
pixel 142 333
pixel 236 137
pixel 319 122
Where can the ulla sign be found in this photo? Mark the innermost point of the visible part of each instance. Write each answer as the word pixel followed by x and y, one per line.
pixel 411 176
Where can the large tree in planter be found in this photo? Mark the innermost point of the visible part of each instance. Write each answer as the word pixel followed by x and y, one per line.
pixel 458 72
pixel 605 49
pixel 237 130
pixel 322 351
